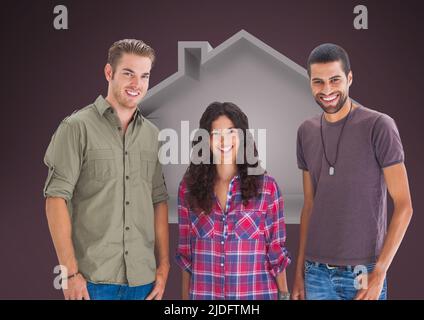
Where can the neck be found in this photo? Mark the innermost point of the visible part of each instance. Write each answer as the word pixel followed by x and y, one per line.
pixel 343 112
pixel 226 171
pixel 124 114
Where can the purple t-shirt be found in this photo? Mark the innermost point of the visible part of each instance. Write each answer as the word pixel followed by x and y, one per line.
pixel 349 216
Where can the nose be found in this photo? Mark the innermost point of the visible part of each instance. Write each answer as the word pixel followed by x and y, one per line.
pixel 226 138
pixel 326 89
pixel 222 139
pixel 135 82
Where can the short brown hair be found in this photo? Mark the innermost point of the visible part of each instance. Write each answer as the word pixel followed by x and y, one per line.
pixel 133 46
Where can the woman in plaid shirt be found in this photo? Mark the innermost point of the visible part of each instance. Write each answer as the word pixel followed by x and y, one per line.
pixel 231 222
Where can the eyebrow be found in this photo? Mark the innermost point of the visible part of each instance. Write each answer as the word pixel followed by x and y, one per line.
pixel 223 129
pixel 129 70
pixel 331 78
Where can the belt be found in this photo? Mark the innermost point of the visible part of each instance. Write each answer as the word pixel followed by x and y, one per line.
pixel 333 267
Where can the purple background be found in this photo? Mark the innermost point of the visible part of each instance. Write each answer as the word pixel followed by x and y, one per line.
pixel 47 74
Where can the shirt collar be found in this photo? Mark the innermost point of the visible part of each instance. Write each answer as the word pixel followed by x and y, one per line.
pixel 102 105
pixel 236 177
pixel 137 115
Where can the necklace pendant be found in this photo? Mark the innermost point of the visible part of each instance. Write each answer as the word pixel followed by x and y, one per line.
pixel 331 171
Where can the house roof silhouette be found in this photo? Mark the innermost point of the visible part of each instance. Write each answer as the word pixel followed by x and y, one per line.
pixel 193 54
pixel 270 88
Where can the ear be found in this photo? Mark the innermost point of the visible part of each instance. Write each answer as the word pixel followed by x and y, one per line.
pixel 108 72
pixel 350 78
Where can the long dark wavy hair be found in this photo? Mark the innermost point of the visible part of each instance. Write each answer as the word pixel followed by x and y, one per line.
pixel 200 178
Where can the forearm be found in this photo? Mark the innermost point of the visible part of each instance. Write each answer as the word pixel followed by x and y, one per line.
pixel 400 221
pixel 61 232
pixel 162 235
pixel 281 280
pixel 304 224
pixel 185 286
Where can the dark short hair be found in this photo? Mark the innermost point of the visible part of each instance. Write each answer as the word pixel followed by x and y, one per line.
pixel 329 52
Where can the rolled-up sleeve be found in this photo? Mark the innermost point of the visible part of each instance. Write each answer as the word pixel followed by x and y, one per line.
pixel 159 190
pixel 63 159
pixel 183 256
pixel 275 230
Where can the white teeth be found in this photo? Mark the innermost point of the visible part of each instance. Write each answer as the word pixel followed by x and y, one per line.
pixel 329 98
pixel 132 93
pixel 226 149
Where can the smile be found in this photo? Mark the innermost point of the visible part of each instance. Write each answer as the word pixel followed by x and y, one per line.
pixel 225 149
pixel 331 98
pixel 132 93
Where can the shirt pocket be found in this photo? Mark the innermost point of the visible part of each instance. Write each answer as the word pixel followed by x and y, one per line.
pixel 143 165
pixel 101 164
pixel 202 225
pixel 249 224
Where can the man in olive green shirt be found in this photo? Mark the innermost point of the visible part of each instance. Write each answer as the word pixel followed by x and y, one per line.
pixel 106 198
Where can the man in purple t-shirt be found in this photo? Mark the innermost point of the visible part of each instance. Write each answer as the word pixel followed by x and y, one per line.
pixel 350 156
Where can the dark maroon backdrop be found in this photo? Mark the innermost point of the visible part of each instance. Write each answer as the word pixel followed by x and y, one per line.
pixel 46 74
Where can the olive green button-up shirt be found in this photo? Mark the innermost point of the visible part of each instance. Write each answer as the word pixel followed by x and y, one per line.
pixel 110 181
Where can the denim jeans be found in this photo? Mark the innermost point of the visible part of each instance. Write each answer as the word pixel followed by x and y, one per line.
pixel 118 292
pixel 323 282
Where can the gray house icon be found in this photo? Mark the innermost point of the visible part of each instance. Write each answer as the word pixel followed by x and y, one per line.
pixel 270 88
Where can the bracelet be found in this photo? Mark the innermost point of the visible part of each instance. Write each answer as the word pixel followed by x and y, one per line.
pixel 283 295
pixel 72 276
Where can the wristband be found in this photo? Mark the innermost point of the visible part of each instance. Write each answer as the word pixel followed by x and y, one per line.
pixel 72 276
pixel 283 295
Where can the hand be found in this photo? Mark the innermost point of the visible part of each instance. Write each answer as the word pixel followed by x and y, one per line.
pixel 298 292
pixel 77 289
pixel 375 285
pixel 160 283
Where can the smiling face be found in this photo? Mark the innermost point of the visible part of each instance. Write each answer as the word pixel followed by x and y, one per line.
pixel 129 82
pixel 224 140
pixel 330 85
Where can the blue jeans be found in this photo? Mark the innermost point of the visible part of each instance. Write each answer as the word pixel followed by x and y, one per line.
pixel 118 292
pixel 323 282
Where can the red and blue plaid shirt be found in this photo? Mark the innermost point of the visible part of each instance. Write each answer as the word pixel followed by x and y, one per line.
pixel 234 253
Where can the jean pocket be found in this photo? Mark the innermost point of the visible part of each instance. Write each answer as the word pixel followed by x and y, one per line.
pixel 364 268
pixel 370 267
pixel 308 265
